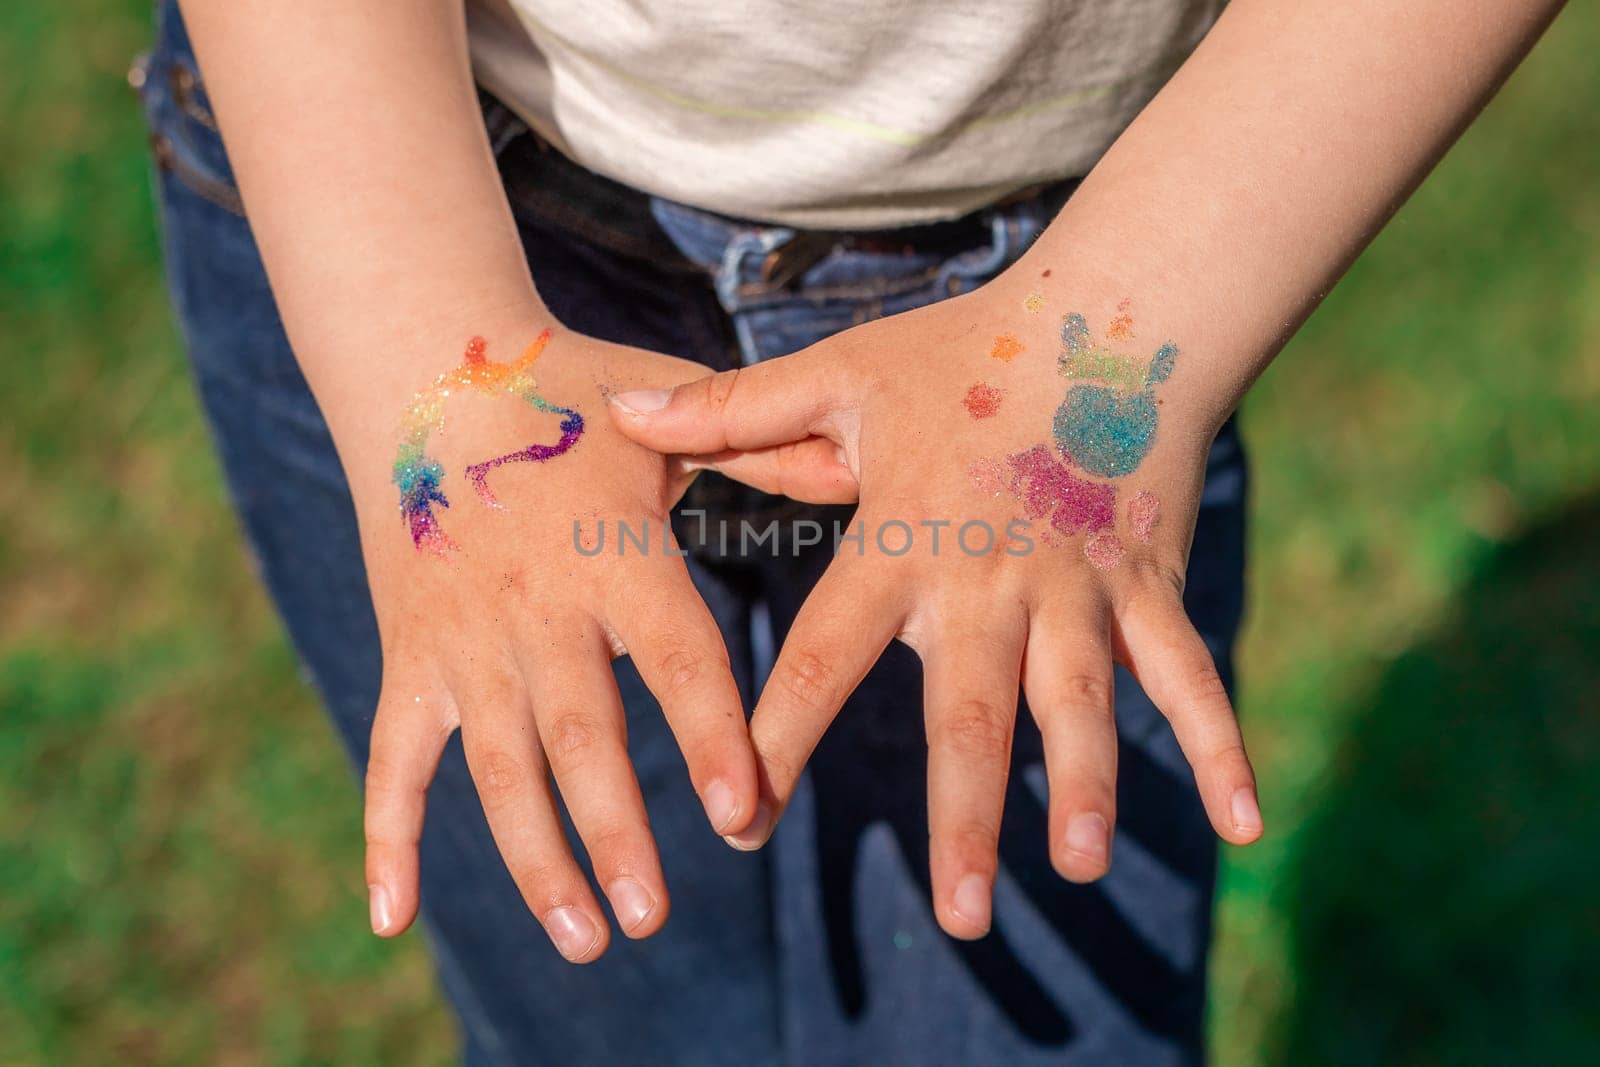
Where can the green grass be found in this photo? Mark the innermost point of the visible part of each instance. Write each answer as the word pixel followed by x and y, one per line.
pixel 180 838
pixel 1440 410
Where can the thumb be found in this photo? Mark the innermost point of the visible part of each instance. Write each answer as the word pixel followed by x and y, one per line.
pixel 771 403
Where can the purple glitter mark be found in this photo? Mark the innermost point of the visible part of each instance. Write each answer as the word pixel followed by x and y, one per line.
pixel 1046 487
pixel 418 478
pixel 571 430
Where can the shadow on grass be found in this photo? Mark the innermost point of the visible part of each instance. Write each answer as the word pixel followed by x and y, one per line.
pixel 1446 895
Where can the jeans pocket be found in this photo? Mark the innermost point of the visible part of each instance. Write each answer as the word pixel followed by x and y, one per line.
pixel 184 139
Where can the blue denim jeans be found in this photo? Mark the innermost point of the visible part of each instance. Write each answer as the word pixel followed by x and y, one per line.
pixel 821 948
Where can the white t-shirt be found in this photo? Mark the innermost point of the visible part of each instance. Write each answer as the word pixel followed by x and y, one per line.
pixel 849 114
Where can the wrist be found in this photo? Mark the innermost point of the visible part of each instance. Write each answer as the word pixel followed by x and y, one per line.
pixel 1085 374
pixel 369 383
pixel 1129 335
pixel 481 414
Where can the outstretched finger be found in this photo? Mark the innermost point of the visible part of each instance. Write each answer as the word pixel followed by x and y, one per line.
pixel 838 634
pixel 674 643
pixel 970 684
pixel 1067 677
pixel 1172 663
pixel 408 736
pixel 584 737
pixel 509 770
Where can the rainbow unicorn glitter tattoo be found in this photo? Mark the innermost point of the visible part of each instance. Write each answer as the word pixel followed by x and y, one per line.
pixel 418 475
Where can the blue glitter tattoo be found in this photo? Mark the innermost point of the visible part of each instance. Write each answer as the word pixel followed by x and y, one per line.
pixel 1107 429
pixel 1104 431
pixel 1161 365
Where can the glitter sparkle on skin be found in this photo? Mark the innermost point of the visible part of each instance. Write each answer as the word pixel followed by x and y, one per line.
pixel 1109 427
pixel 1144 512
pixel 989 477
pixel 1033 303
pixel 1105 427
pixel 1103 550
pixel 1047 488
pixel 1006 348
pixel 1121 328
pixel 418 476
pixel 983 401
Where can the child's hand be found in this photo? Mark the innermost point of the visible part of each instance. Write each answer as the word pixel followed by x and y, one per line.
pixel 493 621
pixel 959 420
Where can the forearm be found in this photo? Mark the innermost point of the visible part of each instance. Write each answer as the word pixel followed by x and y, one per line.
pixel 355 136
pixel 1246 188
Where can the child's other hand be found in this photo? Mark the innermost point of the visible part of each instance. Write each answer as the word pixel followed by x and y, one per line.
pixel 492 621
pixel 973 414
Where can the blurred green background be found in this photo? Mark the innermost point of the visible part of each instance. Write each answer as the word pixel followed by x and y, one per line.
pixel 180 874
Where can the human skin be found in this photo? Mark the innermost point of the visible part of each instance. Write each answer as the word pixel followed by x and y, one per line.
pixel 1219 220
pixel 355 135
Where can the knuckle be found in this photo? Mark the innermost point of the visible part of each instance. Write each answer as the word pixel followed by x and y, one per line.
pixel 1155 580
pixel 539 878
pixel 381 836
pixel 499 774
pixel 678 669
pixel 720 388
pixel 383 775
pixel 610 844
pixel 386 780
pixel 1092 692
pixel 570 736
pixel 976 729
pixel 809 679
pixel 1205 686
pixel 976 840
pixel 1224 753
pixel 1162 574
pixel 494 686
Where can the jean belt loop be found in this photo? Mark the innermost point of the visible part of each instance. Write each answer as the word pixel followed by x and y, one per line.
pixel 741 264
pixel 978 263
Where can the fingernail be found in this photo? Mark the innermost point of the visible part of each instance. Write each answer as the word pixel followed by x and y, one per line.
pixel 971 901
pixel 573 932
pixel 642 401
pixel 380 905
pixel 754 835
pixel 1246 814
pixel 631 901
pixel 1087 836
pixel 722 805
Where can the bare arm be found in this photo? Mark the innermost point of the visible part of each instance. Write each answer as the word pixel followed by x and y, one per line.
pixel 354 131
pixel 1244 191
pixel 356 139
pixel 1096 373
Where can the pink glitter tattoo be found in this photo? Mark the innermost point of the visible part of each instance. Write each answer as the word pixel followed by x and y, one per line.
pixel 1144 511
pixel 1048 488
pixel 989 477
pixel 1103 549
